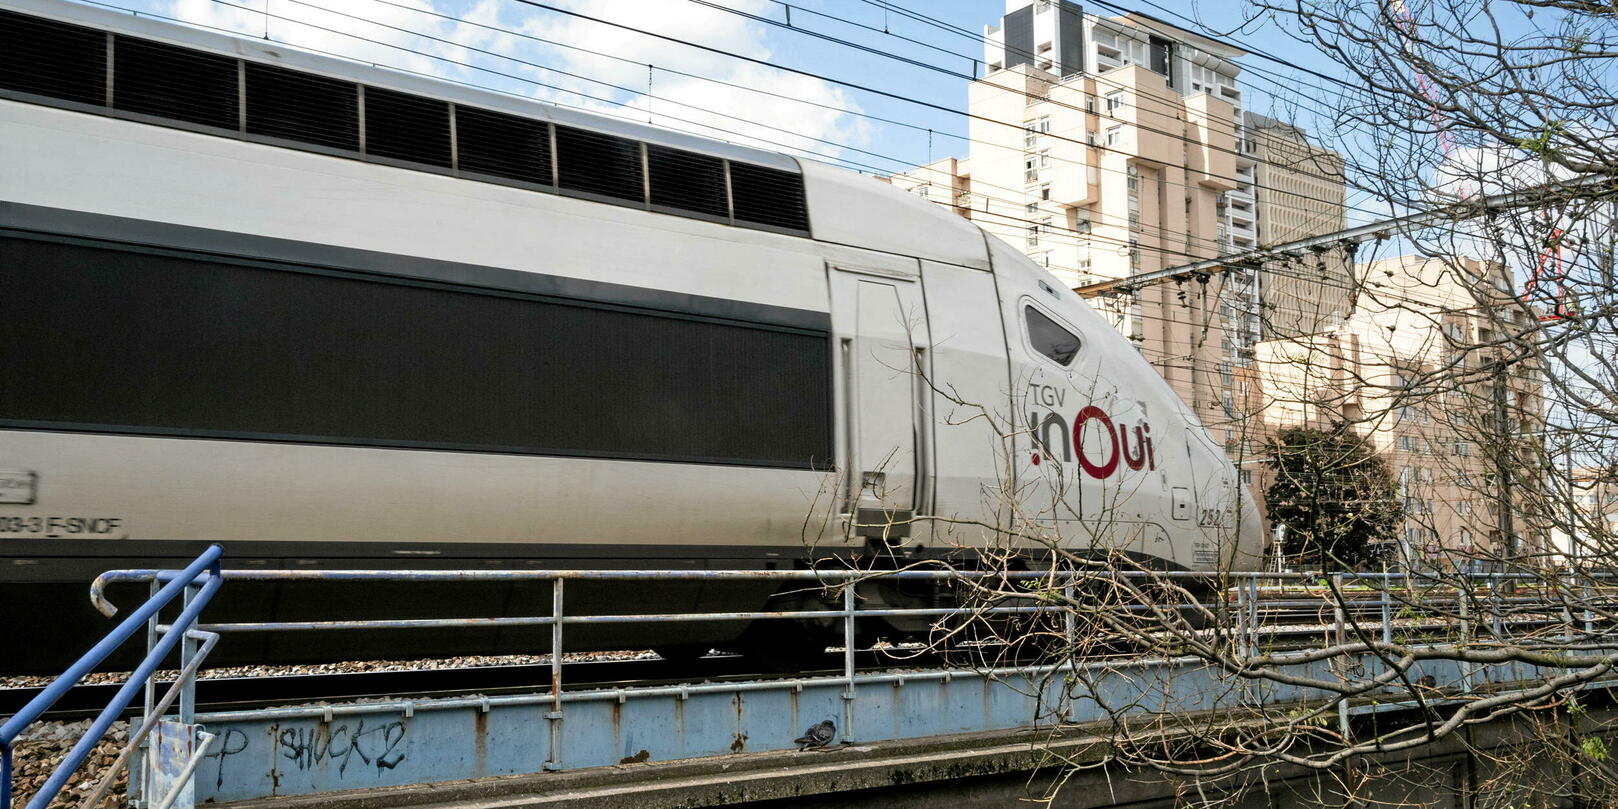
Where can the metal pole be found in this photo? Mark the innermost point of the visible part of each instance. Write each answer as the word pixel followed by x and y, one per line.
pixel 1465 596
pixel 1070 624
pixel 1572 506
pixel 848 662
pixel 1342 634
pixel 1387 610
pixel 1252 615
pixel 188 650
pixel 1241 619
pixel 138 774
pixel 555 714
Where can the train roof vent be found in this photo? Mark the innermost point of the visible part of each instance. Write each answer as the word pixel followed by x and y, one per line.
pixel 303 107
pixel 598 165
pixel 768 197
pixel 504 146
pixel 180 84
pixel 687 181
pixel 48 58
pixel 401 126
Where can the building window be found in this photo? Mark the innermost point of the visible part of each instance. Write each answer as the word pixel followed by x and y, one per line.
pixel 1033 236
pixel 1045 191
pixel 1031 208
pixel 1115 102
pixel 1115 135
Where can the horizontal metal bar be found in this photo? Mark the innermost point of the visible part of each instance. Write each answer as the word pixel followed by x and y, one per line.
pixel 148 574
pixel 425 623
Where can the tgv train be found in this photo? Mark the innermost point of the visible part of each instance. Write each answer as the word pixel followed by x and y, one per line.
pixel 336 316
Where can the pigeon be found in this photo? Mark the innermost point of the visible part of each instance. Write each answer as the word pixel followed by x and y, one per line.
pixel 818 735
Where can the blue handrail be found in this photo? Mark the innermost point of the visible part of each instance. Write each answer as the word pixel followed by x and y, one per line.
pixel 207 563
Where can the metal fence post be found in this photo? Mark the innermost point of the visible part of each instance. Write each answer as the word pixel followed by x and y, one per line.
pixel 848 661
pixel 1342 635
pixel 188 650
pixel 1242 637
pixel 1589 612
pixel 1070 623
pixel 554 717
pixel 1387 609
pixel 1252 614
pixel 1465 597
pixel 138 775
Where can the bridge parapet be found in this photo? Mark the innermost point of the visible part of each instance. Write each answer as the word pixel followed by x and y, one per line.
pixel 360 751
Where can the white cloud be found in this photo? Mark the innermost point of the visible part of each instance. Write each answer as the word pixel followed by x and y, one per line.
pixel 408 34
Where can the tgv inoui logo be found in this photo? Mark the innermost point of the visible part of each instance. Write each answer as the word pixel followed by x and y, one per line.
pixel 1111 446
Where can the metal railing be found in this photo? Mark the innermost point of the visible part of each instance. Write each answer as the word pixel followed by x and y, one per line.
pixel 195 585
pixel 1248 602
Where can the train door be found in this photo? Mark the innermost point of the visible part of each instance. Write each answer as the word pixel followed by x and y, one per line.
pixel 882 359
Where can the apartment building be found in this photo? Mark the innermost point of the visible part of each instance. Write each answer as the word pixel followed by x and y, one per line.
pixel 1106 146
pixel 1299 191
pixel 1412 368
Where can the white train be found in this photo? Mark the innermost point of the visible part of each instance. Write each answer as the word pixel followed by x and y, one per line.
pixel 331 315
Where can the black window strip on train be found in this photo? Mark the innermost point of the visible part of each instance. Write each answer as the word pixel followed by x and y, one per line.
pixel 197 346
pixel 687 181
pixel 151 78
pixel 503 145
pixel 48 58
pixel 766 196
pixel 156 81
pixel 302 107
pixel 400 126
pixel 600 164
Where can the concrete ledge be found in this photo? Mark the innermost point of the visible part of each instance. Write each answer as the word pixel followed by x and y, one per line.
pixel 723 780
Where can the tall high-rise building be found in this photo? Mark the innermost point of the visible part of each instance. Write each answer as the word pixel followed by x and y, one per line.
pixel 1109 146
pixel 1299 191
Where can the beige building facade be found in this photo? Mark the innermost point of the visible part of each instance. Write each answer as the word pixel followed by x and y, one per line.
pixel 1412 368
pixel 1103 147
